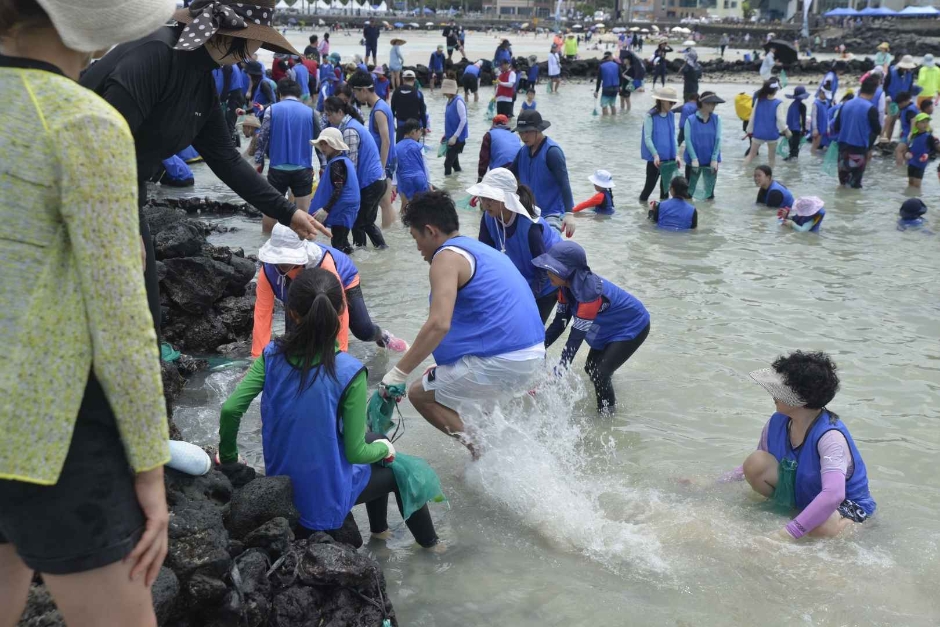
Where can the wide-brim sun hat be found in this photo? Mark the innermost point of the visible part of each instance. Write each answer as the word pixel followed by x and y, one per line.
pixel 773 382
pixel 907 62
pixel 284 247
pixel 449 86
pixel 246 20
pixel 884 46
pixel 500 184
pixel 913 208
pixel 250 120
pixel 397 42
pixel 530 120
pixel 568 261
pixel 807 206
pixel 332 137
pixel 602 178
pixel 799 93
pixel 93 25
pixel 667 94
pixel 710 97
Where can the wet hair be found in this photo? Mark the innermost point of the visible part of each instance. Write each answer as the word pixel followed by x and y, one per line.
pixel 680 187
pixel 410 126
pixel 21 14
pixel 903 96
pixel 435 209
pixel 315 297
pixel 288 87
pixel 765 169
pixel 926 104
pixel 527 198
pixel 334 104
pixel 870 84
pixel 766 90
pixel 811 375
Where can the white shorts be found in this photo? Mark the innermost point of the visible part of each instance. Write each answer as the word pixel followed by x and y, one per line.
pixel 484 381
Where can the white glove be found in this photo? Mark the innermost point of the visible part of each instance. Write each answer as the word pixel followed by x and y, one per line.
pixel 391 450
pixel 321 215
pixel 394 377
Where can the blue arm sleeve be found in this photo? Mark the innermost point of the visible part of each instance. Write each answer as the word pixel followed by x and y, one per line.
pixel 648 135
pixel 555 160
pixel 689 146
pixel 557 327
pixel 717 150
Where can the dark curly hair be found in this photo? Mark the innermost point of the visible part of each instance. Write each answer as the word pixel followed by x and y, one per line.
pixel 811 375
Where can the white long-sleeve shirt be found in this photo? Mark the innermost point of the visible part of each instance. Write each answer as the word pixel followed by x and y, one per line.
pixel 509 82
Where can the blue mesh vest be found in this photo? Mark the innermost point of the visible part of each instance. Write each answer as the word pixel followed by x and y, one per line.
pixel 610 76
pixel 765 120
pixel 452 120
pixel 412 174
pixel 787 195
pixel 664 137
pixel 291 134
pixel 794 119
pixel 703 139
pixel 516 247
pixel 905 122
pixel 607 205
pixel 808 477
pixel 687 111
pixel 497 295
pixel 533 171
pixel 345 210
pixel 504 145
pixel 303 79
pixel 899 82
pixel 622 316
pixel 302 438
pixel 382 106
pixel 675 214
pixel 368 165
pixel 345 267
pixel 855 129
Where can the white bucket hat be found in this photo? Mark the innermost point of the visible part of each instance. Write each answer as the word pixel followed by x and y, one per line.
pixel 332 137
pixel 92 25
pixel 285 247
pixel 807 206
pixel 500 184
pixel 770 380
pixel 907 62
pixel 602 178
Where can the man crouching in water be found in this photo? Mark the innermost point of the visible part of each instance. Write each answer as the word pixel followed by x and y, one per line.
pixel 483 328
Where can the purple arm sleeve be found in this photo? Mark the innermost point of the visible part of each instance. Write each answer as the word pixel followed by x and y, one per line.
pixel 833 463
pixel 738 473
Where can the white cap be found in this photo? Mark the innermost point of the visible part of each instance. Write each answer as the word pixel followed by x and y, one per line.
pixel 92 25
pixel 500 184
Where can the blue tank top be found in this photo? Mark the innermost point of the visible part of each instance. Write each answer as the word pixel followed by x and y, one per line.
pixel 534 172
pixel 368 165
pixel 498 294
pixel 801 220
pixel 821 116
pixel 704 136
pixel 452 120
pixel 794 119
pixel 675 214
pixel 504 145
pixel 905 122
pixel 472 70
pixel 301 435
pixel 610 75
pixel 262 98
pixel 808 477
pixel 517 249
pixel 918 147
pixel 303 79
pixel 899 82
pixel 787 196
pixel 291 133
pixel 382 106
pixel 664 137
pixel 765 120
pixel 855 129
pixel 621 318
pixel 345 209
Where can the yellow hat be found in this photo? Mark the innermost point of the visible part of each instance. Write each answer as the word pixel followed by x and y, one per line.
pixel 884 46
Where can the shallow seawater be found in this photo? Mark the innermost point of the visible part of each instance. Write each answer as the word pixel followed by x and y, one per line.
pixel 571 519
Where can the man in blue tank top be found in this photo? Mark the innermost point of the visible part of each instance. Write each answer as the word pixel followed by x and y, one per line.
pixel 608 83
pixel 286 132
pixel 382 129
pixel 857 127
pixel 483 327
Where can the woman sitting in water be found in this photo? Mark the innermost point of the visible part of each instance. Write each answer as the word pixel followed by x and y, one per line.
pixel 313 418
pixel 511 224
pixel 770 192
pixel 677 213
pixel 806 458
pixel 614 323
pixel 807 214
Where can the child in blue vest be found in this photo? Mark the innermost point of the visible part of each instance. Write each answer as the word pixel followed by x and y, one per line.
pixel 796 120
pixel 413 176
pixel 677 213
pixel 313 419
pixel 807 459
pixel 912 214
pixel 603 201
pixel 336 201
pixel 821 120
pixel 529 100
pixel 806 215
pixel 614 323
pixel 920 144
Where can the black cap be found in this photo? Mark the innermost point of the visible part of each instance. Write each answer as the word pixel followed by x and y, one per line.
pixel 530 120
pixel 253 68
pixel 361 79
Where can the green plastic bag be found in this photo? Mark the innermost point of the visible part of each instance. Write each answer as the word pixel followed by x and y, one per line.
pixel 464 203
pixel 381 407
pixel 703 183
pixel 783 147
pixel 168 353
pixel 893 109
pixel 831 160
pixel 784 80
pixel 785 492
pixel 417 482
pixel 667 171
pixel 442 150
pixel 490 110
pixel 548 87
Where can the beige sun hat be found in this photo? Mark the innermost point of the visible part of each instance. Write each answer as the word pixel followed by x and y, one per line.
pixel 770 380
pixel 251 120
pixel 92 25
pixel 332 137
pixel 907 62
pixel 500 184
pixel 449 86
pixel 667 94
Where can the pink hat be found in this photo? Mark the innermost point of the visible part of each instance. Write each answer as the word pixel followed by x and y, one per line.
pixel 807 206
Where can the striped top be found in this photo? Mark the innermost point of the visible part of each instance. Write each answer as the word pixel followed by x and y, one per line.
pixel 71 281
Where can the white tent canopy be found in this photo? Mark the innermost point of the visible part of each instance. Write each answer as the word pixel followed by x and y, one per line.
pixel 337 5
pixel 323 6
pixel 281 6
pixel 382 8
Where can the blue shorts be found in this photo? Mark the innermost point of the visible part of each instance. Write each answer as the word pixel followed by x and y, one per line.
pixel 371 47
pixel 609 101
pixel 637 83
pixel 411 185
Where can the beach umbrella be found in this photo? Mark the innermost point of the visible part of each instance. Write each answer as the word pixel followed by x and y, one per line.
pixel 598 25
pixel 399 25
pixel 577 26
pixel 525 25
pixel 618 30
pixel 431 24
pixel 786 53
pixel 385 24
pixel 644 30
pixel 678 29
pixel 634 29
pixel 922 11
pixel 414 25
pixel 655 28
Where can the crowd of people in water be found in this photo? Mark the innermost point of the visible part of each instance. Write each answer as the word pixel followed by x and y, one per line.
pixel 84 427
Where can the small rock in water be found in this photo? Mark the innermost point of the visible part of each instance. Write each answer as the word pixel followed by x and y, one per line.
pixel 260 501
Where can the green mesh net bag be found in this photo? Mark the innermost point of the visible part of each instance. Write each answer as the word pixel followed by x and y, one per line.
pixel 785 492
pixel 784 79
pixel 703 183
pixel 490 110
pixel 381 407
pixel 667 171
pixel 831 160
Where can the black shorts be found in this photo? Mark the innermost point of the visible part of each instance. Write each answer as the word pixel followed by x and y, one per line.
pixel 470 83
pixel 91 517
pixel 504 108
pixel 300 182
pixel 913 172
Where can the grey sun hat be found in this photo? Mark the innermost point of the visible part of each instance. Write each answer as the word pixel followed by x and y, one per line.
pixel 93 25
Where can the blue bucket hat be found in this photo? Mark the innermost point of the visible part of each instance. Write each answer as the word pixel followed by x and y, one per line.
pixel 568 261
pixel 799 93
pixel 912 209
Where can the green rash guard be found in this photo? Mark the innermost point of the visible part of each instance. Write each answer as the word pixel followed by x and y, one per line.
pixel 352 410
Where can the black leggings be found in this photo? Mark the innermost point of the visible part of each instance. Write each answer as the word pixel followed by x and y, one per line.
pixel 601 365
pixel 546 305
pixel 795 140
pixel 452 158
pixel 652 175
pixel 360 323
pixel 370 197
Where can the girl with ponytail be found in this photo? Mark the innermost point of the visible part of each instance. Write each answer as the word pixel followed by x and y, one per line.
pixel 313 418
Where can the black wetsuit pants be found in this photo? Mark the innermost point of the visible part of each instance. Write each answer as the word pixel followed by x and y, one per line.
pixel 601 365
pixel 652 175
pixel 370 197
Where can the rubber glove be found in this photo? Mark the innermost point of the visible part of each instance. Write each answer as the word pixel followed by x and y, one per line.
pixel 391 450
pixel 695 163
pixel 394 377
pixel 452 141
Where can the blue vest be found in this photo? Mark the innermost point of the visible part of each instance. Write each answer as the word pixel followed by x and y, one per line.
pixel 687 111
pixel 472 70
pixel 808 477
pixel 765 120
pixel 918 147
pixel 346 209
pixel 703 139
pixel 607 205
pixel 368 166
pixel 326 69
pixel 260 97
pixel 533 75
pixel 516 247
pixel 787 196
pixel 411 173
pixel 436 64
pixel 245 80
pixel 345 267
pixel 504 145
pixel 382 106
pixel 534 172
pixel 905 122
pixel 622 317
pixel 526 106
pixel 177 170
pixel 219 79
pixel 502 53
pixel 291 133
pixel 794 119
pixel 381 88
pixel 610 75
pixel 326 90
pixel 855 129
pixel 279 283
pixel 675 214
pixel 801 220
pixel 452 120
pixel 664 137
pixel 498 294
pixel 821 118
pixel 303 79
pixel 301 435
pixel 899 82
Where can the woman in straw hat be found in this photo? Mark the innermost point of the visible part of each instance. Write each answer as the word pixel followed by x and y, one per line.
pixel 806 459
pixel 396 62
pixel 658 145
pixel 83 420
pixel 162 84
